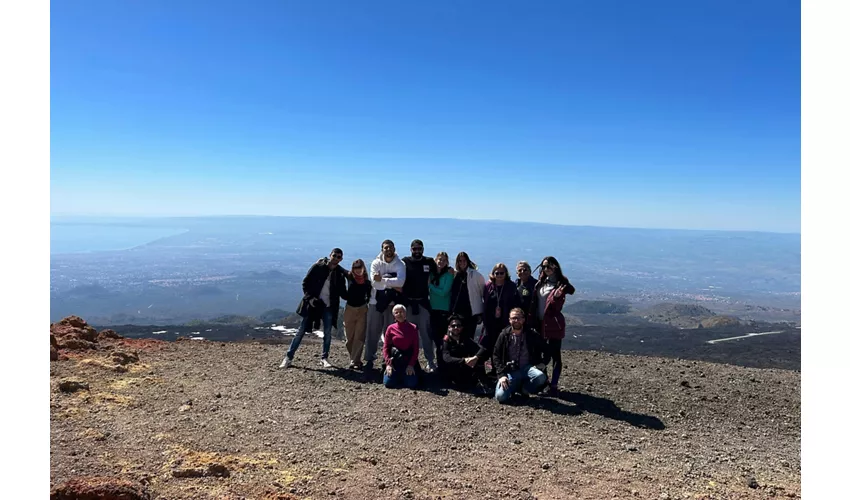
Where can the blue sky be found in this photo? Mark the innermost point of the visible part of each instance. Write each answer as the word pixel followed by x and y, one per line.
pixel 663 114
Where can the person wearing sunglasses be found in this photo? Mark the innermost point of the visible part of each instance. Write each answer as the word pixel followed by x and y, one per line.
pixel 415 295
pixel 463 359
pixel 323 286
pixel 525 284
pixel 354 316
pixel 500 296
pixel 547 302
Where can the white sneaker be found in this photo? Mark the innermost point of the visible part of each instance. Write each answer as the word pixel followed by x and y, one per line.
pixel 286 362
pixel 326 363
pixel 431 368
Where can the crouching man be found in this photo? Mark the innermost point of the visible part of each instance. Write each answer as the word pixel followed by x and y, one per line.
pixel 515 354
pixel 462 361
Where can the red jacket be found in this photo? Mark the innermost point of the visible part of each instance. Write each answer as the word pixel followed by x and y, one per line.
pixel 554 323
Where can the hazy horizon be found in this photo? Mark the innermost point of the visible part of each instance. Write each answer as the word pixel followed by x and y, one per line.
pixel 113 217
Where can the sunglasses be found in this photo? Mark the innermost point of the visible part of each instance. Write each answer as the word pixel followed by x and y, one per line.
pixel 523 270
pixel 499 273
pixel 417 249
pixel 548 266
pixel 337 256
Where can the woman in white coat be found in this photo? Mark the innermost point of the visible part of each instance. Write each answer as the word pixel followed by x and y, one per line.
pixel 467 298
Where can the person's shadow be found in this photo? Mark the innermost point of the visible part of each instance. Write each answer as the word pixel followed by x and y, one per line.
pixel 428 382
pixel 602 407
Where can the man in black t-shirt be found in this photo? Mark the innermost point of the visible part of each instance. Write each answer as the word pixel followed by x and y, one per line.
pixel 415 295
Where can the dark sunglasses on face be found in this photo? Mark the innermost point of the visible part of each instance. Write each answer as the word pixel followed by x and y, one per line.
pixel 416 249
pixel 336 256
pixel 499 273
pixel 521 271
pixel 548 266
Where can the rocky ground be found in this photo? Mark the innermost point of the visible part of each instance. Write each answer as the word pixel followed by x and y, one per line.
pixel 134 418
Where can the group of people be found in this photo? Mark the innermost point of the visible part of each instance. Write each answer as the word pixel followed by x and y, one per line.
pixel 419 302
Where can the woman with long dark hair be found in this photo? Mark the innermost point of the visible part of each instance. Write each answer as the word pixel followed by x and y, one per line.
pixel 549 297
pixel 467 294
pixel 440 290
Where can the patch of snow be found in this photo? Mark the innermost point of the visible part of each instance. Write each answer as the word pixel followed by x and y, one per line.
pixel 197 338
pixel 159 332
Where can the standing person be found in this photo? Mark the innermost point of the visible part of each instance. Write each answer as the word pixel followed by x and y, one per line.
pixel 354 316
pixel 518 349
pixel 415 296
pixel 463 358
pixel 467 297
pixel 440 290
pixel 388 273
pixel 525 284
pixel 322 286
pixel 401 351
pixel 500 296
pixel 548 300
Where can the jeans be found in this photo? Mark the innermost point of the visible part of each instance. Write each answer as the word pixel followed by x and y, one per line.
pixel 327 325
pixel 528 378
pixel 398 379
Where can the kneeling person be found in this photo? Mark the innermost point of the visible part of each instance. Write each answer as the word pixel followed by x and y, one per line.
pixel 462 361
pixel 401 351
pixel 515 354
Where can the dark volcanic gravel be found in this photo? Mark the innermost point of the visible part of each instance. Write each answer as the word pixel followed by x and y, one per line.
pixel 200 419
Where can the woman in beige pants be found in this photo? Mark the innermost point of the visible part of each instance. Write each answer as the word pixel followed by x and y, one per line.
pixel 354 316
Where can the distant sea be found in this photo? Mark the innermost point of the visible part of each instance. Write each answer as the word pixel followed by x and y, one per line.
pixel 84 238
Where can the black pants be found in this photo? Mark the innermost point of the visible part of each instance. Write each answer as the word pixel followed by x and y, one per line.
pixel 439 329
pixel 553 353
pixel 462 375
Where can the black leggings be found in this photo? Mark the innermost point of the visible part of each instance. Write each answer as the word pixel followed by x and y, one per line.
pixel 553 352
pixel 439 329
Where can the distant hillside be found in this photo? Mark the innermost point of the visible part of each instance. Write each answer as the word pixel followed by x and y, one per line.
pixel 678 315
pixel 597 307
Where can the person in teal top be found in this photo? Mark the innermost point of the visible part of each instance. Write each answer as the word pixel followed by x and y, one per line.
pixel 440 288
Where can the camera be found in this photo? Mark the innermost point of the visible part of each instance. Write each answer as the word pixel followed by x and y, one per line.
pixel 511 366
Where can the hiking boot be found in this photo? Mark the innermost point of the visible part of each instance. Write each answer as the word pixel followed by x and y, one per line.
pixel 286 362
pixel 326 363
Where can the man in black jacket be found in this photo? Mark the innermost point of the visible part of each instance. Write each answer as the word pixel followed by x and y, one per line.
pixel 515 354
pixel 462 362
pixel 322 287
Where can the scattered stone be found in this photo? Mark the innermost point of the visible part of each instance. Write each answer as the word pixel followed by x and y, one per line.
pixel 99 488
pixel 108 334
pixel 685 383
pixel 546 466
pixel 124 358
pixel 752 483
pixel 73 344
pixel 72 385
